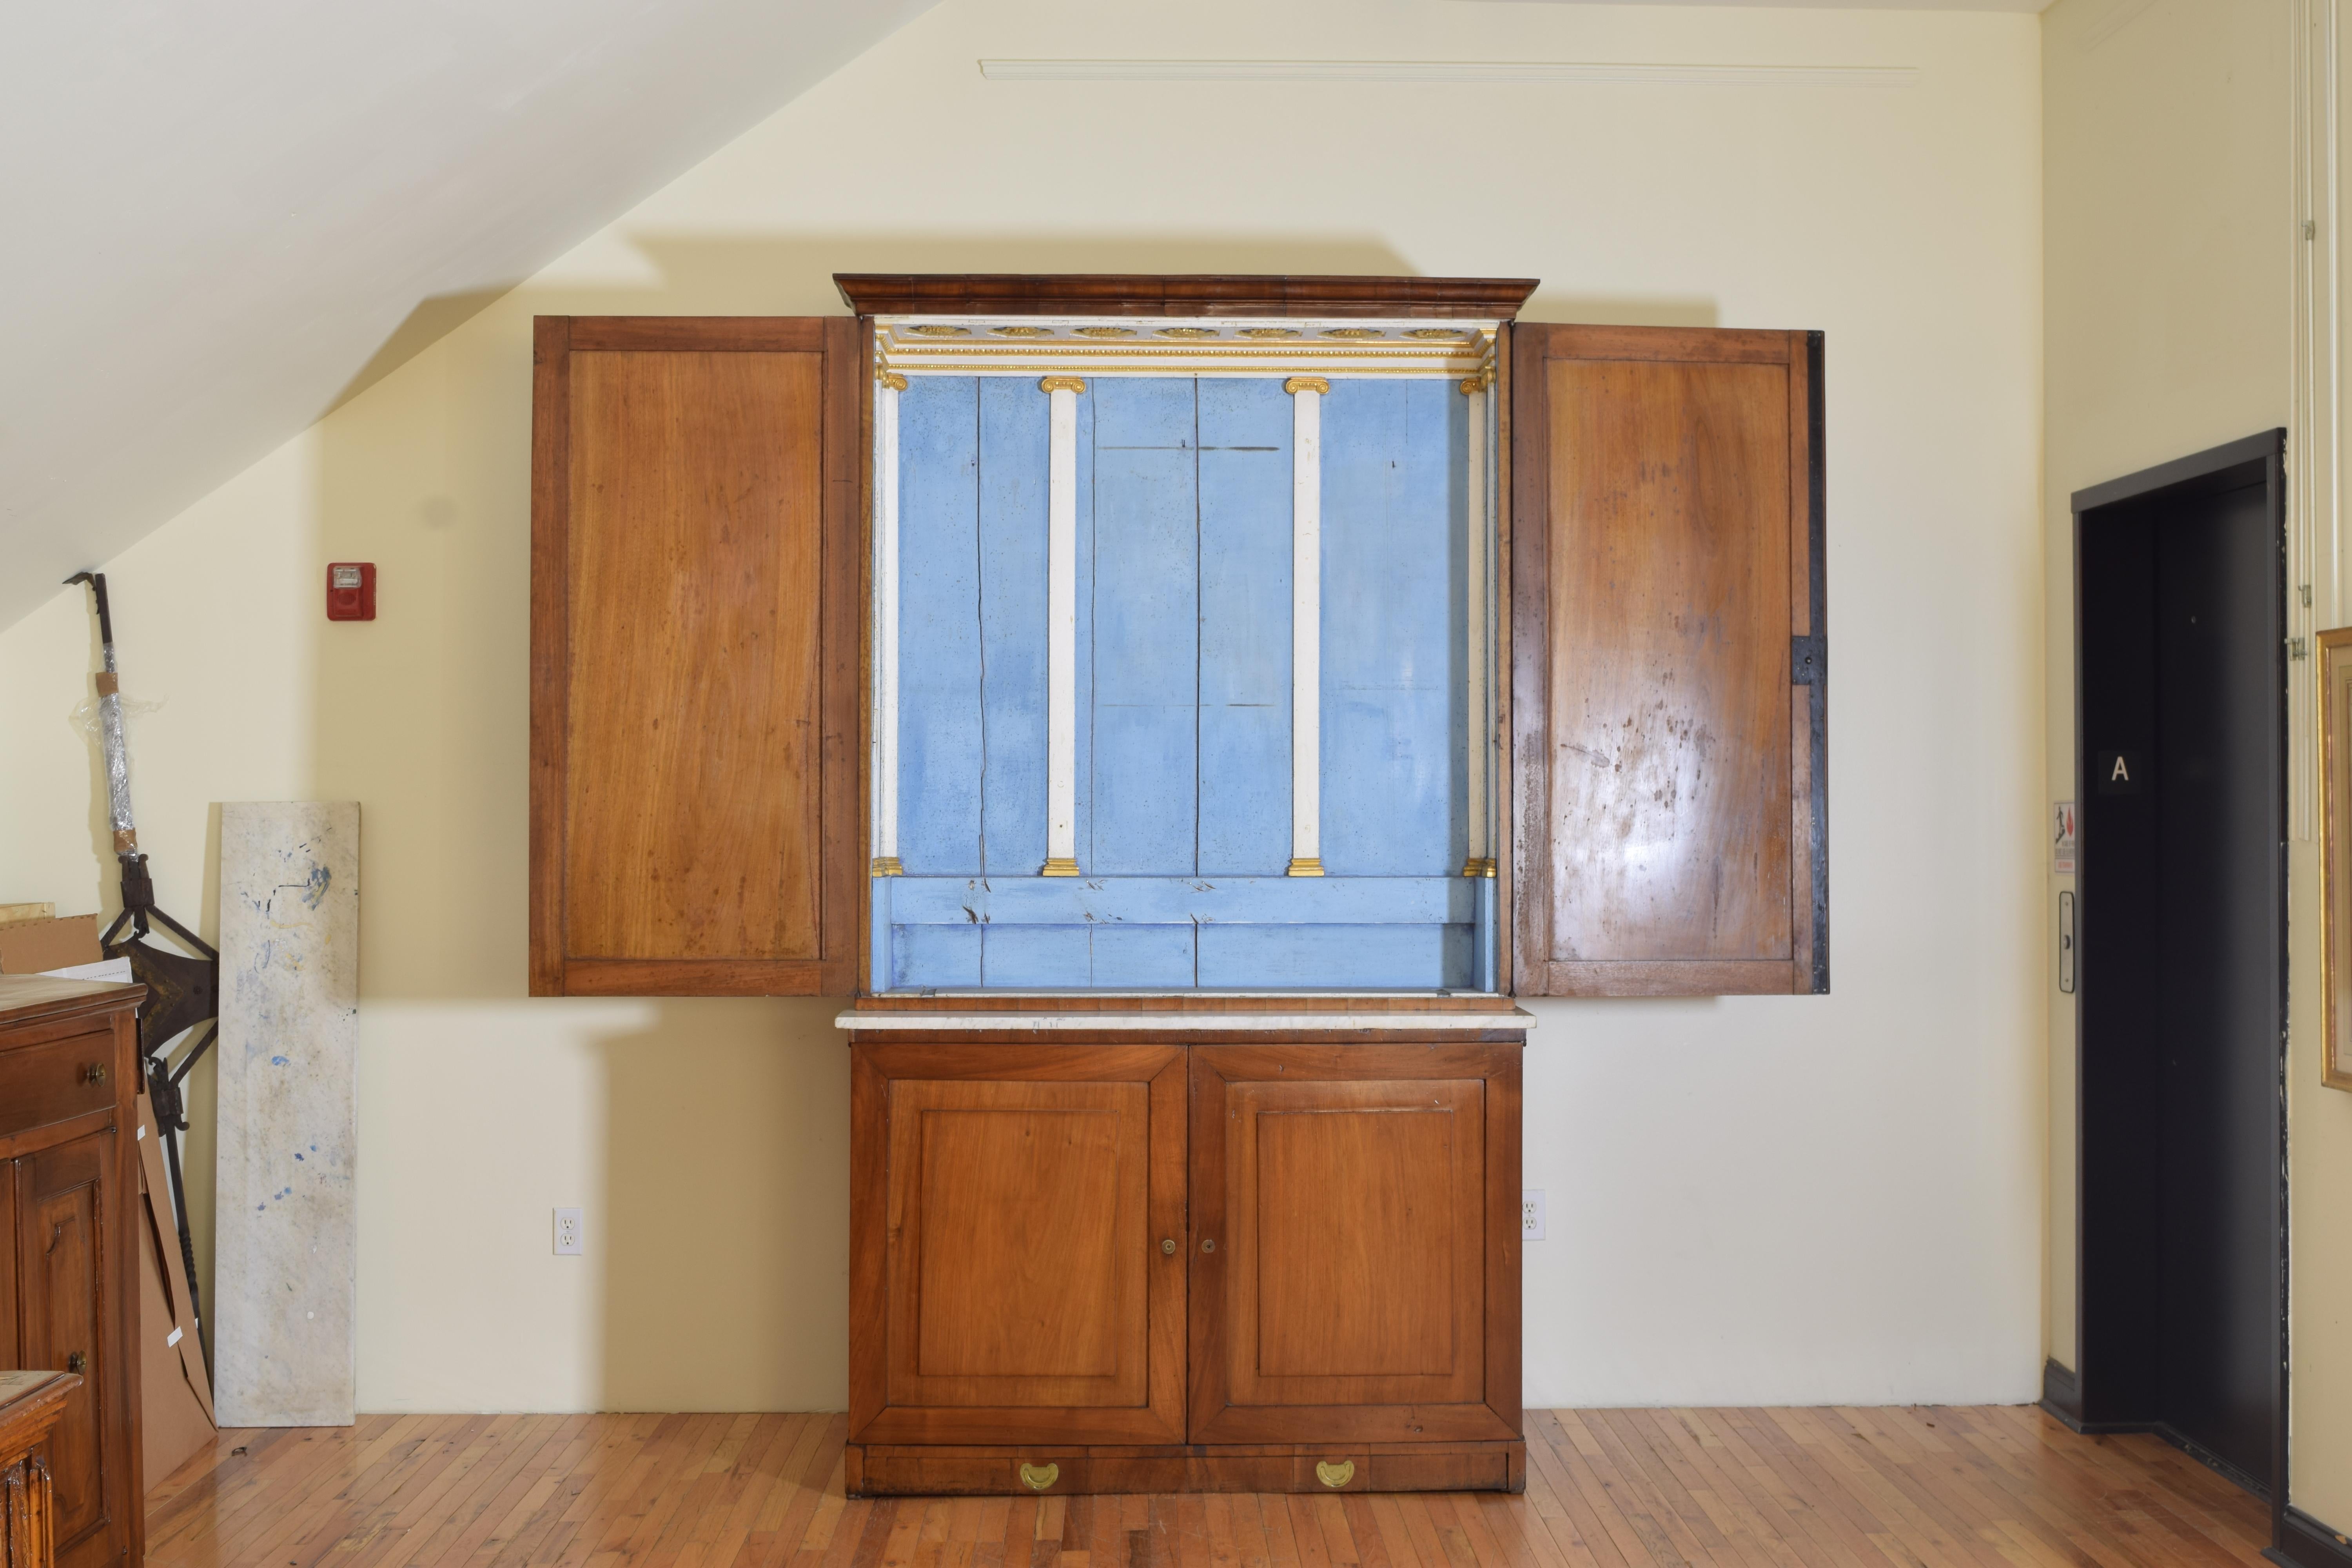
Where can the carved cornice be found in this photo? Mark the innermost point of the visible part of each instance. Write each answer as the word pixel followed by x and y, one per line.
pixel 1080 347
pixel 1102 294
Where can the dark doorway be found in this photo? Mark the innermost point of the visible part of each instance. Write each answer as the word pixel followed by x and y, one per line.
pixel 2181 1005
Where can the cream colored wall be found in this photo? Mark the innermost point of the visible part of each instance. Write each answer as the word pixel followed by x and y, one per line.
pixel 2166 196
pixel 1751 1200
pixel 2172 223
pixel 2319 1119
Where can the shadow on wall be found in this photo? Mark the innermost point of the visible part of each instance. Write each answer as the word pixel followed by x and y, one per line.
pixel 725 1244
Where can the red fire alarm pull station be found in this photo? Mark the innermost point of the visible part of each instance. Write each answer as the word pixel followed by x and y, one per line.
pixel 351 590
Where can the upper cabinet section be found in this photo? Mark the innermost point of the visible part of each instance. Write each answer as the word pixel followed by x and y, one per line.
pixel 1088 634
pixel 695 598
pixel 1668 663
pixel 1184 652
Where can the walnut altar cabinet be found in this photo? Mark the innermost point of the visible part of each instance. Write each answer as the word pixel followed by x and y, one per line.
pixel 1183 712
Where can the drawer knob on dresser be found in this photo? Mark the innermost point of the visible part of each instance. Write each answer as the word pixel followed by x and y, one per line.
pixel 1335 1476
pixel 1168 1246
pixel 94 1073
pixel 76 1361
pixel 1208 1244
pixel 1038 1477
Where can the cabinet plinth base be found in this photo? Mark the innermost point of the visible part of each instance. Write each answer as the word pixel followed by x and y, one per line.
pixel 877 1470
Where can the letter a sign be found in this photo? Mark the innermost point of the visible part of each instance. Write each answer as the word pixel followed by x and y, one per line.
pixel 2119 772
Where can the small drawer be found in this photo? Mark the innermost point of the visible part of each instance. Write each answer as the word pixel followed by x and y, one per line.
pixel 56 1081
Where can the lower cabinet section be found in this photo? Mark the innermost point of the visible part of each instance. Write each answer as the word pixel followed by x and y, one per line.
pixel 1110 1267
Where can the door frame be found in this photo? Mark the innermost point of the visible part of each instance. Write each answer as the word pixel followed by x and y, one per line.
pixel 2062 1389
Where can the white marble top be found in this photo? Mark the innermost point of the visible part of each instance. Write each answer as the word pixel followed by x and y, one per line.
pixel 1502 1015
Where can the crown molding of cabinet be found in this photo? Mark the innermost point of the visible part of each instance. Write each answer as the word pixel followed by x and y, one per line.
pixel 1109 294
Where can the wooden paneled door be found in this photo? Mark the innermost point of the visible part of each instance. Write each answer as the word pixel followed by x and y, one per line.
pixel 1669 698
pixel 695 582
pixel 1017 1253
pixel 1355 1264
pixel 68 1294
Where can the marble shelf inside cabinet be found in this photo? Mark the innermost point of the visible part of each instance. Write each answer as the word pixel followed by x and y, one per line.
pixel 1082 1020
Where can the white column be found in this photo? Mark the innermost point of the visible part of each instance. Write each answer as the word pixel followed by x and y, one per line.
pixel 1479 656
pixel 888 384
pixel 1062 629
pixel 1306 623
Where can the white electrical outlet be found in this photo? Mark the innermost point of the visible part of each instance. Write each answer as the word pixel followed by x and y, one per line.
pixel 1531 1213
pixel 568 1227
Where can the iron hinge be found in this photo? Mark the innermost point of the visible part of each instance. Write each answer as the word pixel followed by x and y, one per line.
pixel 1806 658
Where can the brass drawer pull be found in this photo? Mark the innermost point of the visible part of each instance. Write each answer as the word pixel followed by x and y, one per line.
pixel 1335 1476
pixel 1038 1477
pixel 1168 1246
pixel 94 1073
pixel 76 1361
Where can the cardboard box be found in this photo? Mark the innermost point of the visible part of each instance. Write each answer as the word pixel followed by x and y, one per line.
pixel 30 947
pixel 176 1398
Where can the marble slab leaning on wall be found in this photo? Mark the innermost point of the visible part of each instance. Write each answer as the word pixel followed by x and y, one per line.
pixel 286 1257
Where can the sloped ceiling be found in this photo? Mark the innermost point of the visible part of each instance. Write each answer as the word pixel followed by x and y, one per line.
pixel 216 219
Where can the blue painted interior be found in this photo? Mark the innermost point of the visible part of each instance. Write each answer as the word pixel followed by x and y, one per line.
pixel 1184 694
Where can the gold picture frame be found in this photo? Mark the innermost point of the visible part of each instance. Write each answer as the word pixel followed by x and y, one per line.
pixel 2336 854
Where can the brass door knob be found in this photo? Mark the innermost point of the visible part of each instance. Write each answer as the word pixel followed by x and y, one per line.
pixel 1168 1246
pixel 94 1073
pixel 76 1361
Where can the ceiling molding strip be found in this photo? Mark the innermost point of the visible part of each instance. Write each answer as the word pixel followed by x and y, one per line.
pixel 1594 72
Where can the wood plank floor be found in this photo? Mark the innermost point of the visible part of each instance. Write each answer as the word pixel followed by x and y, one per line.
pixel 1912 1488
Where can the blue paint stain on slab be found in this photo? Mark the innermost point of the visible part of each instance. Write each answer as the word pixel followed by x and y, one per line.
pixel 1246 627
pixel 1143 763
pixel 940 753
pixel 1391 631
pixel 1014 442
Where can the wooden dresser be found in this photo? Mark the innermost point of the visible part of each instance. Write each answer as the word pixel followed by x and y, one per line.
pixel 1185 712
pixel 31 1405
pixel 68 1268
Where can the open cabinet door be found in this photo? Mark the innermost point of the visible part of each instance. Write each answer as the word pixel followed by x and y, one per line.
pixel 1669 705
pixel 694 580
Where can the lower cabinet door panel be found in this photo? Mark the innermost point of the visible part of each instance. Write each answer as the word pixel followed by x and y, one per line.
pixel 1011 1277
pixel 65 1286
pixel 1355 1249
